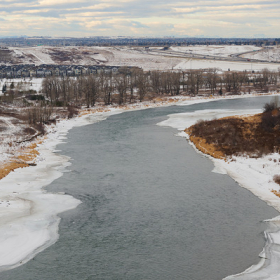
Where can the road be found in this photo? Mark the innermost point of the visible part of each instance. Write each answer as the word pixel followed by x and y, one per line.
pixel 233 57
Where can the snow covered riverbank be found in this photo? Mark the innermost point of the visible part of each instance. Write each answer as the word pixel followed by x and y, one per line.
pixel 254 174
pixel 28 214
pixel 29 221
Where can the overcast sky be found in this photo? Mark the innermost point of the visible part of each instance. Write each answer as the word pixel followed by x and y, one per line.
pixel 79 18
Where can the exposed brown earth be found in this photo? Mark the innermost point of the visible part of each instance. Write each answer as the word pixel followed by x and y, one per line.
pixel 251 135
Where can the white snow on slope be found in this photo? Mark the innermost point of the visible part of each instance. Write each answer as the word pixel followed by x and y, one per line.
pixel 22 84
pixel 129 56
pixel 216 50
pixel 268 54
pixel 224 65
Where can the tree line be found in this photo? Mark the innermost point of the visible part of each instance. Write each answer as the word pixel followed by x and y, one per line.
pixel 129 86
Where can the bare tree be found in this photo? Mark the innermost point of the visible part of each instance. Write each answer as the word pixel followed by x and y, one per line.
pixel 142 84
pixel 121 87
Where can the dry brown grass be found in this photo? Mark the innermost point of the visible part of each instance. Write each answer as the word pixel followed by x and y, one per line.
pixel 6 168
pixel 103 109
pixel 92 111
pixel 206 148
pixel 27 156
pixel 234 136
pixel 277 193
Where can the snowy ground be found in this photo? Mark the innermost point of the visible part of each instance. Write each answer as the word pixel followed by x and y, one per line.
pixel 268 54
pixel 133 56
pixel 11 130
pixel 224 65
pixel 216 50
pixel 22 84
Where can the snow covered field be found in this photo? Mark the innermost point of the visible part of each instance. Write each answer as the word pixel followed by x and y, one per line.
pixel 22 84
pixel 224 65
pixel 139 57
pixel 216 50
pixel 268 54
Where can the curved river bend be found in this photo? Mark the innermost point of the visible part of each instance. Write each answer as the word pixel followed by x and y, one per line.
pixel 151 207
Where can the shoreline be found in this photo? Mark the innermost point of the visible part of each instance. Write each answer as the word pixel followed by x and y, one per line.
pixel 21 155
pixel 254 174
pixel 22 191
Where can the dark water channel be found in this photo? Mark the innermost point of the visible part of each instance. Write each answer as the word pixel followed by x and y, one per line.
pixel 151 207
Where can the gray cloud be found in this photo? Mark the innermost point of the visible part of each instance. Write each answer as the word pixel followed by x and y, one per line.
pixel 172 17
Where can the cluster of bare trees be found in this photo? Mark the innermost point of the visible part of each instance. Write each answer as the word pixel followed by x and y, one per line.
pixel 62 95
pixel 39 114
pixel 126 86
pixel 211 81
pixel 130 85
pixel 120 88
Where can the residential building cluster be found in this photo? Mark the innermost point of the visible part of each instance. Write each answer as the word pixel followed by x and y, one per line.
pixel 45 70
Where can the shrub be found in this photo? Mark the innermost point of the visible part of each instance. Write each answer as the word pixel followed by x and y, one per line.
pixel 269 121
pixel 35 97
pixel 58 103
pixel 29 130
pixel 276 179
pixel 269 107
pixel 72 111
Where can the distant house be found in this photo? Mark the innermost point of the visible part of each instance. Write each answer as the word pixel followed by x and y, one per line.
pixel 32 73
pixel 92 70
pixel 70 72
pixel 10 74
pixel 62 73
pixel 56 72
pixel 48 72
pixel 25 73
pixel 40 72
pixel 78 72
pixel 84 71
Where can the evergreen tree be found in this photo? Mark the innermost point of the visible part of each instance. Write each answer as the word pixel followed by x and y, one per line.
pixel 4 88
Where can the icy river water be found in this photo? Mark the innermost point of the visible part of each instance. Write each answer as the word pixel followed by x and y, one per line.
pixel 151 207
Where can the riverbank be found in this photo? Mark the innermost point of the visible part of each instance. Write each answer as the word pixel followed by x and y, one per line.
pixel 19 155
pixel 27 209
pixel 253 135
pixel 255 174
pixel 241 140
pixel 29 215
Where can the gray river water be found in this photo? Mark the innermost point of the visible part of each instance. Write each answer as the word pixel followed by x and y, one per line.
pixel 151 207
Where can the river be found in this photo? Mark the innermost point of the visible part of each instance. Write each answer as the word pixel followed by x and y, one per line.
pixel 151 207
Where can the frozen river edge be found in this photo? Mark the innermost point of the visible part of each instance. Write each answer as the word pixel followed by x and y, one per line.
pixel 254 174
pixel 29 221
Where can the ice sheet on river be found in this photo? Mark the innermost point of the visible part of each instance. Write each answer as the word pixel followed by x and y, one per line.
pixel 28 214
